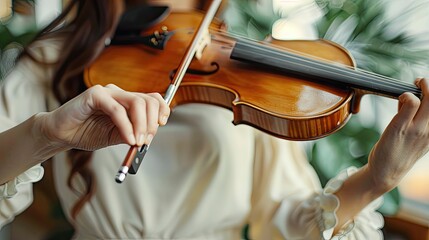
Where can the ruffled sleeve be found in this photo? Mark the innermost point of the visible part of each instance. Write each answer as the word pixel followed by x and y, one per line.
pixel 10 189
pixel 24 92
pixel 366 225
pixel 17 194
pixel 317 216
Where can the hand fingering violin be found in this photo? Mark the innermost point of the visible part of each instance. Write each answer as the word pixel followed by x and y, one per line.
pixel 286 93
pixel 297 90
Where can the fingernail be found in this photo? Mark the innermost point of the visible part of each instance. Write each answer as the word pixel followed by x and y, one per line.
pixel 131 139
pixel 164 120
pixel 149 139
pixel 140 139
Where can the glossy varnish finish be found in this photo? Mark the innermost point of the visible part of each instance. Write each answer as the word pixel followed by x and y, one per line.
pixel 270 100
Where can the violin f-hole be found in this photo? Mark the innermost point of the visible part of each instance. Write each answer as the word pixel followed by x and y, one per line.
pixel 198 72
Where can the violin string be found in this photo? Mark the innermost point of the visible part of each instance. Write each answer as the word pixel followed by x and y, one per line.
pixel 383 80
pixel 338 66
pixel 380 79
pixel 335 65
pixel 358 76
pixel 328 70
pixel 374 77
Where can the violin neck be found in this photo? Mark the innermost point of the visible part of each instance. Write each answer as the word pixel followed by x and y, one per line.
pixel 311 69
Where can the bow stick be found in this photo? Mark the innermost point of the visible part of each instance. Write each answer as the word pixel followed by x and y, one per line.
pixel 135 156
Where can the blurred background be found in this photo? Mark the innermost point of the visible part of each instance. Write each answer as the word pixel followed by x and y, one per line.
pixel 389 37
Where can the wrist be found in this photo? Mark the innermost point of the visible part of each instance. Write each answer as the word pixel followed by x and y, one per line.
pixel 46 145
pixel 363 186
pixel 379 185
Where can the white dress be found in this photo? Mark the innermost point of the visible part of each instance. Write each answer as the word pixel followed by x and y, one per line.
pixel 203 178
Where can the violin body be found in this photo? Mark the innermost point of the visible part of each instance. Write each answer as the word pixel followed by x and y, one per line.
pixel 280 104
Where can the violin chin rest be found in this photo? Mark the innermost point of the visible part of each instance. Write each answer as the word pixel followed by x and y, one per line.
pixel 140 17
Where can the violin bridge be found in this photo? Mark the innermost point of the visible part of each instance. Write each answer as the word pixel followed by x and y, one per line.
pixel 206 40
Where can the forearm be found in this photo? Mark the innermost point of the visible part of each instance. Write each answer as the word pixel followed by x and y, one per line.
pixel 355 194
pixel 24 146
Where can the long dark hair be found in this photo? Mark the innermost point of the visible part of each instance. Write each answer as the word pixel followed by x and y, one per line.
pixel 86 24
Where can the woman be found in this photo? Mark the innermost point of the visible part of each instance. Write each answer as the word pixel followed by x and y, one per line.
pixel 202 178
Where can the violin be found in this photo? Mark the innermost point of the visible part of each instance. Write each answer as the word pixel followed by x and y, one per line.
pixel 296 90
pixel 302 103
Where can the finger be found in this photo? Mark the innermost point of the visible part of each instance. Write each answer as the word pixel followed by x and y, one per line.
pixel 113 87
pixel 104 102
pixel 409 105
pixel 422 115
pixel 164 109
pixel 145 118
pixel 152 113
pixel 137 111
pixel 400 104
